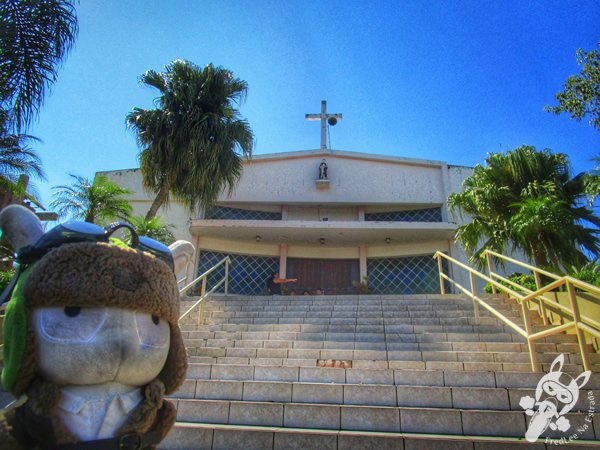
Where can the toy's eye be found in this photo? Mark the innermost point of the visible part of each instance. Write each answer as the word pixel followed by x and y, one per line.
pixel 72 311
pixel 152 330
pixel 71 324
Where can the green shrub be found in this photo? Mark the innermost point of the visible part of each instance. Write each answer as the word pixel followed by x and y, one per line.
pixel 588 275
pixel 5 278
pixel 527 281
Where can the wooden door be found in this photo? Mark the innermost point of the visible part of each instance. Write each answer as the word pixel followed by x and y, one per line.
pixel 333 276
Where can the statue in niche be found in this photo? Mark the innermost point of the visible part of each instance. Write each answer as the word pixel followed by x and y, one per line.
pixel 323 170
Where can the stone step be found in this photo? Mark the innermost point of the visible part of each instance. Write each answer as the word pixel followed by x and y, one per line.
pixel 369 418
pixel 459 397
pixel 400 374
pixel 296 348
pixel 311 356
pixel 238 437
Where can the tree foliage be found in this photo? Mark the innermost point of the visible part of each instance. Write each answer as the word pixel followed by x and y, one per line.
pixel 193 142
pixel 153 228
pixel 526 199
pixel 580 96
pixel 35 38
pixel 100 201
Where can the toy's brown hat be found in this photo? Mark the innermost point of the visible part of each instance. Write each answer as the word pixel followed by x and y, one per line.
pixel 102 274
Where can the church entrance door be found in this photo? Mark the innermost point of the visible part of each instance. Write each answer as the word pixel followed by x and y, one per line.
pixel 333 276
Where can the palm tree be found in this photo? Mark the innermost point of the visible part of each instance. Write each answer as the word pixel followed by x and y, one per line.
pixel 526 199
pixel 193 143
pixel 36 36
pixel 98 201
pixel 153 228
pixel 592 181
pixel 17 159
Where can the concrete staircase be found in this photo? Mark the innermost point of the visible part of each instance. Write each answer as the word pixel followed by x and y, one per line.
pixel 360 372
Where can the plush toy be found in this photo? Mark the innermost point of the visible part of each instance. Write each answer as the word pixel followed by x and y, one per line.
pixel 90 336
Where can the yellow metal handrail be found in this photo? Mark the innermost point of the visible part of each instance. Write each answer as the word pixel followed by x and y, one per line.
pixel 203 294
pixel 580 323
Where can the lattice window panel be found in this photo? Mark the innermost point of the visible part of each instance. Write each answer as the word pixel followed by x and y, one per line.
pixel 248 275
pixel 414 215
pixel 406 275
pixel 227 213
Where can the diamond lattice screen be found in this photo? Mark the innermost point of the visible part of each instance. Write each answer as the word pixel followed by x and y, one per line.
pixel 414 215
pixel 248 275
pixel 227 213
pixel 407 275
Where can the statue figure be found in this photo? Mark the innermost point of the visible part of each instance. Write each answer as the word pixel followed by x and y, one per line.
pixel 323 170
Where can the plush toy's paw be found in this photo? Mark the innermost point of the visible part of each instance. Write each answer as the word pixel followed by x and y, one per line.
pixel 527 402
pixel 563 424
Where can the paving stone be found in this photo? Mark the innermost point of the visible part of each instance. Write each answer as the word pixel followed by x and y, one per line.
pixel 185 438
pixel 419 377
pixel 379 395
pixel 274 373
pixel 370 418
pixel 272 353
pixel 242 440
pixel 366 376
pixel 322 375
pixel 199 371
pixel 436 444
pixel 218 390
pixel 430 421
pixel 267 392
pixel 480 398
pixel 348 440
pixel 203 411
pixel 469 379
pixel 318 393
pixel 494 423
pixel 260 413
pixel 306 440
pixel 236 373
pixel 312 416
pixel 424 396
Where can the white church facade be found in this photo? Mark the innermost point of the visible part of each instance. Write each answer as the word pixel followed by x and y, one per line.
pixel 329 218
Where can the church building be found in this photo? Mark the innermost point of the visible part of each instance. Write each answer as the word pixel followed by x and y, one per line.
pixel 338 221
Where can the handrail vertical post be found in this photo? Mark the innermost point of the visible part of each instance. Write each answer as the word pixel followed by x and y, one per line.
pixel 535 365
pixel 440 270
pixel 202 294
pixel 473 295
pixel 489 263
pixel 227 277
pixel 585 358
pixel 542 306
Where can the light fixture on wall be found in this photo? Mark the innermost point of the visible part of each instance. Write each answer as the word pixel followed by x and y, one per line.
pixel 258 238
pixel 322 241
pixel 388 240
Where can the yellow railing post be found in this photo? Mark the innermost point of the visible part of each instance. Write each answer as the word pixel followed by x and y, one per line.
pixel 585 358
pixel 489 263
pixel 474 294
pixel 541 306
pixel 535 365
pixel 441 271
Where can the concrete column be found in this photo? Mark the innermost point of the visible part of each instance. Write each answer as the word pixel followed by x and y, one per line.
pixel 445 189
pixel 361 213
pixel 283 249
pixel 362 255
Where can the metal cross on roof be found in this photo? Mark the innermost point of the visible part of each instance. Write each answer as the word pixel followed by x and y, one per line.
pixel 324 118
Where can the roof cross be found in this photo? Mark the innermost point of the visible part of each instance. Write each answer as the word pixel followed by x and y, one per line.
pixel 324 118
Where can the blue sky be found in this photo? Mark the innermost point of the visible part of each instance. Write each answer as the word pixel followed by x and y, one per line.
pixel 440 80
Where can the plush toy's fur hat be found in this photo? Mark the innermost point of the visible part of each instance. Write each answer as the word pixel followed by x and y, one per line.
pixel 93 274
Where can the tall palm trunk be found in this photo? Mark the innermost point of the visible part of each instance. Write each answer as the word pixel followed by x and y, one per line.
pixel 159 200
